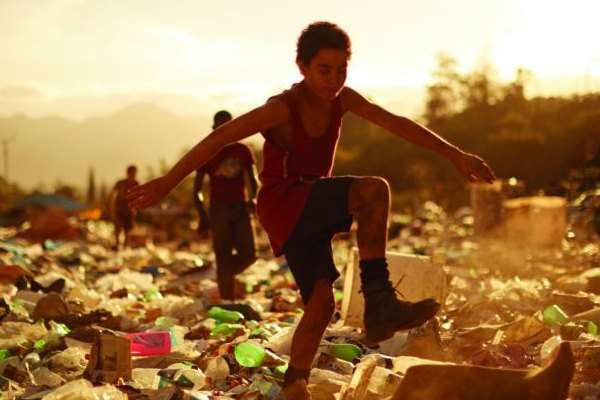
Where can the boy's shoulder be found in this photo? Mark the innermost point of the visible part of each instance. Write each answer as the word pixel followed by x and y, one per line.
pixel 350 98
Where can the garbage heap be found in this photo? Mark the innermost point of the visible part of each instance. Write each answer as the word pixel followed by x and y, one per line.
pixel 81 321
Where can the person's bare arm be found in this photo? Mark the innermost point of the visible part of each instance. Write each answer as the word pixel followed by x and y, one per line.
pixel 271 114
pixel 473 167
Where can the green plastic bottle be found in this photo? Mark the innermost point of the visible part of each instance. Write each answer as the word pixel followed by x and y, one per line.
pixel 345 351
pixel 4 354
pixel 554 315
pixel 152 294
pixel 592 328
pixel 223 315
pixel 164 322
pixel 39 345
pixel 249 354
pixel 226 329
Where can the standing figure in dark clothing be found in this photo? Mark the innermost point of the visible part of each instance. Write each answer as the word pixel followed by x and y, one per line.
pixel 301 206
pixel 231 171
pixel 121 213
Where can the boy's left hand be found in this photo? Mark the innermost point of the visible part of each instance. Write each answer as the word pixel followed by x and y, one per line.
pixel 474 168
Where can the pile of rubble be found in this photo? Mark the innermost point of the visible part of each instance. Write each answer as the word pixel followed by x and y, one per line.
pixel 80 321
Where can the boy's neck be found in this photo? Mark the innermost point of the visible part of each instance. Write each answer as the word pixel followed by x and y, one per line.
pixel 311 97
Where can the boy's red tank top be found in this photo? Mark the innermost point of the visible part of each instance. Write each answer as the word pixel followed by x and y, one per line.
pixel 286 174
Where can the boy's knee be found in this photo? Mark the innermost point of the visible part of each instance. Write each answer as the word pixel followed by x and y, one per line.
pixel 369 191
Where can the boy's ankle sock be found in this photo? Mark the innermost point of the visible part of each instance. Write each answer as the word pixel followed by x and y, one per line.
pixel 374 269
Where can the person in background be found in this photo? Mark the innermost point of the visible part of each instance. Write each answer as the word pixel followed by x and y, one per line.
pixel 233 186
pixel 121 213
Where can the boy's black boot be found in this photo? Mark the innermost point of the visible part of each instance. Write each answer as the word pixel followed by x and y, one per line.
pixel 384 313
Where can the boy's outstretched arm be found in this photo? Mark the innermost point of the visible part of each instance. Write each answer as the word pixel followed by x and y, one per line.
pixel 471 166
pixel 271 114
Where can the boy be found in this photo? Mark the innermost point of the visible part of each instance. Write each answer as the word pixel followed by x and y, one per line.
pixel 231 229
pixel 121 213
pixel 301 207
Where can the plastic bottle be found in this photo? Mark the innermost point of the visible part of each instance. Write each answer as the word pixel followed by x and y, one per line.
pixel 592 328
pixel 554 315
pixel 39 345
pixel 345 351
pixel 150 343
pixel 548 348
pixel 249 354
pixel 226 329
pixel 223 315
pixel 192 378
pixel 164 322
pixel 51 244
pixel 145 378
pixel 152 294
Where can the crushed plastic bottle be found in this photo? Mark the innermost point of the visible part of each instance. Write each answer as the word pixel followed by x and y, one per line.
pixel 190 378
pixel 554 315
pixel 549 347
pixel 223 315
pixel 152 294
pixel 39 345
pixel 145 378
pixel 226 329
pixel 51 244
pixel 164 322
pixel 249 354
pixel 345 351
pixel 592 328
pixel 150 343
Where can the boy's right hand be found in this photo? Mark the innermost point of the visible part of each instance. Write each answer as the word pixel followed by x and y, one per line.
pixel 149 193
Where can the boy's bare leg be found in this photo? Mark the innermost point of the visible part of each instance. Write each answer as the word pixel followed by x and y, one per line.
pixel 316 317
pixel 308 334
pixel 226 279
pixel 369 203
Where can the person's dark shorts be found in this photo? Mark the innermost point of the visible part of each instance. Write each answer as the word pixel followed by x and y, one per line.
pixel 124 218
pixel 308 249
pixel 231 228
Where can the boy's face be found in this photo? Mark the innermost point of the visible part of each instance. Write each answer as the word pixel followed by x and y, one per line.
pixel 326 72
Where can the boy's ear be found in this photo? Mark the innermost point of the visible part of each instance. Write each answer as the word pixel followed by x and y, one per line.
pixel 302 67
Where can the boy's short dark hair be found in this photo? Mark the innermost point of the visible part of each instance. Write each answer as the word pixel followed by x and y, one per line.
pixel 131 169
pixel 321 35
pixel 221 117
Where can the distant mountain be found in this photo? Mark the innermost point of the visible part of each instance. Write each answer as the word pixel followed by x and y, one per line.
pixel 50 149
pixel 46 150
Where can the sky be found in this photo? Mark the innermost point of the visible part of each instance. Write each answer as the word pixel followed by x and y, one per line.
pixel 82 59
pixel 77 58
